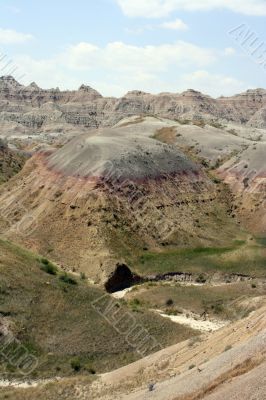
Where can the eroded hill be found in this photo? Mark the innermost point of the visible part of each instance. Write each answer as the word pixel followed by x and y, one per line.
pixel 109 194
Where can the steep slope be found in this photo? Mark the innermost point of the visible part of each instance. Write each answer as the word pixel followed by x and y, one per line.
pixel 112 194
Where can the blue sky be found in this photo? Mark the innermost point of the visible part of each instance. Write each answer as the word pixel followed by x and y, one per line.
pixel 151 45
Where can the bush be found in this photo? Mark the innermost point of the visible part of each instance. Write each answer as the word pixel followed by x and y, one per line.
pixel 92 371
pixel 48 267
pixel 76 365
pixel 192 366
pixel 217 308
pixel 82 276
pixel 216 180
pixel 201 279
pixel 68 279
pixel 135 305
pixel 169 302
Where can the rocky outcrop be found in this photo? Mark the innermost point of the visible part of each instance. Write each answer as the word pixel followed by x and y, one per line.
pixel 258 119
pixel 27 106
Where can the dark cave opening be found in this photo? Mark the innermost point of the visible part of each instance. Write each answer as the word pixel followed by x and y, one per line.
pixel 121 278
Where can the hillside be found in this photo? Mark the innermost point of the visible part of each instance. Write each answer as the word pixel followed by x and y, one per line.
pixel 52 316
pixel 229 362
pixel 113 194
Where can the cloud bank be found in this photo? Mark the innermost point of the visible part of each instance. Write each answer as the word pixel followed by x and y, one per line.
pixel 163 8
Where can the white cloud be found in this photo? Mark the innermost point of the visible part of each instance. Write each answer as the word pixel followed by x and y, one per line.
pixel 118 67
pixel 214 84
pixel 9 36
pixel 177 24
pixel 123 57
pixel 229 51
pixel 163 8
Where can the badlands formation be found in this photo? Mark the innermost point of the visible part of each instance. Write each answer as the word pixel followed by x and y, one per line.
pixel 111 192
pixel 158 200
pixel 31 109
pixel 145 182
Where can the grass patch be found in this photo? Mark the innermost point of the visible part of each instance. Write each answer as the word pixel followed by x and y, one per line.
pixel 249 260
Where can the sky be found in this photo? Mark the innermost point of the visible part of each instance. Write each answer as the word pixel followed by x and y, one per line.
pixel 215 46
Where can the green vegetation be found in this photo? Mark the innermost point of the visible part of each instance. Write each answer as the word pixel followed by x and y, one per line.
pixel 83 276
pixel 54 319
pixel 261 241
pixel 48 267
pixel 11 162
pixel 76 364
pixel 238 258
pixel 68 279
pixel 201 279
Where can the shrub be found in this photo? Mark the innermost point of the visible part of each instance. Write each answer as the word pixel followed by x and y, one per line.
pixel 92 371
pixel 201 279
pixel 135 305
pixel 68 279
pixel 216 180
pixel 217 308
pixel 48 267
pixel 192 366
pixel 169 302
pixel 76 365
pixel 82 276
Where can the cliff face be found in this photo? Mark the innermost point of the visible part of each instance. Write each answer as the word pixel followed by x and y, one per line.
pixel 35 108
